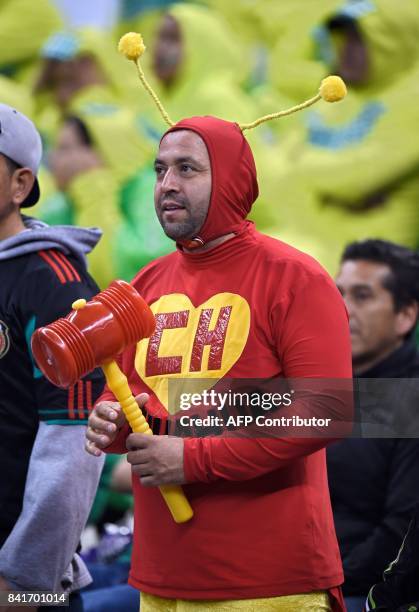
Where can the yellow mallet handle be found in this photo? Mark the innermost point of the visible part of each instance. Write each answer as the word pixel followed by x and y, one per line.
pixel 118 384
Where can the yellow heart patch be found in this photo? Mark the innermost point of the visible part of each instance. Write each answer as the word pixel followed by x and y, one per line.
pixel 192 343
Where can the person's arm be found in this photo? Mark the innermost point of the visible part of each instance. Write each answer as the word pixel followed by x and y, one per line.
pixel 380 548
pixel 312 335
pixel 121 480
pixel 313 342
pixel 16 20
pixel 61 484
pixel 62 479
pixel 6 587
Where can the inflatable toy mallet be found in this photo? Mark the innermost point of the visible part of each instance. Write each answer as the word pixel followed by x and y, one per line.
pixel 92 335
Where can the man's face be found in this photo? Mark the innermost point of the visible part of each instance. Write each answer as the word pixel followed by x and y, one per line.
pixel 376 328
pixel 183 184
pixel 6 204
pixel 353 61
pixel 168 52
pixel 65 78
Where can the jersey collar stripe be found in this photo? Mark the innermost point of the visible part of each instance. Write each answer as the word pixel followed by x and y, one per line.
pixel 80 402
pixel 61 264
pixel 66 264
pixel 70 402
pixel 46 257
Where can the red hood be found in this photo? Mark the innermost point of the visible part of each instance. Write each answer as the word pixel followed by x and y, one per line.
pixel 234 181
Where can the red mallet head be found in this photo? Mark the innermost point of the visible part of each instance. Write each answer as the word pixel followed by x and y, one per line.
pixel 92 333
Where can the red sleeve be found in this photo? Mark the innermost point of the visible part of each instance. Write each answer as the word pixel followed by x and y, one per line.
pixel 312 337
pixel 118 446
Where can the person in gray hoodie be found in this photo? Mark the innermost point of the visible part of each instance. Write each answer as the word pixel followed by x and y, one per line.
pixel 47 481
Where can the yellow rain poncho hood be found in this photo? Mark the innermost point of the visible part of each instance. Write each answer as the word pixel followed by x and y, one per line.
pixel 353 172
pixel 67 45
pixel 211 71
pixel 113 129
pixel 307 50
pixel 24 27
pixel 390 32
pixel 16 95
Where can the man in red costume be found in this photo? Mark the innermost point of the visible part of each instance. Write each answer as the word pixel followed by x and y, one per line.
pixel 229 302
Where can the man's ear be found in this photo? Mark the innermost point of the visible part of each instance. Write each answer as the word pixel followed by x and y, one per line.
pixel 22 183
pixel 406 318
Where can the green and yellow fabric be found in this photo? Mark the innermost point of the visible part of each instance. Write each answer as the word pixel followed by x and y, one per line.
pixel 140 238
pixel 106 498
pixel 210 75
pixel 295 67
pixel 19 96
pixel 351 171
pixel 16 95
pixel 211 82
pixel 306 51
pixel 94 198
pixel 391 33
pixel 100 197
pixel 119 88
pixel 24 27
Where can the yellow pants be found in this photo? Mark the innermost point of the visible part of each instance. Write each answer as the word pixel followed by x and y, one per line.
pixel 307 602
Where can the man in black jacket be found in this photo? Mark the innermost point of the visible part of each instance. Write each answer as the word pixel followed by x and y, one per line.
pixel 47 481
pixel 373 482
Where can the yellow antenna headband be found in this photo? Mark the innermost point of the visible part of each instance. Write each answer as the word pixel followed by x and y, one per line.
pixel 332 88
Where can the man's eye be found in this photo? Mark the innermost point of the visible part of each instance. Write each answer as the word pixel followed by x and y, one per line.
pixel 361 296
pixel 159 169
pixel 186 168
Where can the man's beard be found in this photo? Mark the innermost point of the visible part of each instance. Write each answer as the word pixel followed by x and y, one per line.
pixel 184 230
pixel 176 231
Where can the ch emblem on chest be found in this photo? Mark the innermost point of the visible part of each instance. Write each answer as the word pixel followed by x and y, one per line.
pixel 193 342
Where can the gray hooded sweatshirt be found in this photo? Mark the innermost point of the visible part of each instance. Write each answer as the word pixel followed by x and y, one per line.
pixel 39 553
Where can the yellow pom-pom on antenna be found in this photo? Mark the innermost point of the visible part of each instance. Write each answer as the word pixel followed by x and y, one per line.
pixel 332 89
pixel 132 46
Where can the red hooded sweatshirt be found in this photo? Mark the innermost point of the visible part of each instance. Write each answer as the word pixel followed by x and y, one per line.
pixel 252 307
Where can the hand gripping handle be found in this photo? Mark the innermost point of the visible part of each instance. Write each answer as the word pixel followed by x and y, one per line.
pixel 117 382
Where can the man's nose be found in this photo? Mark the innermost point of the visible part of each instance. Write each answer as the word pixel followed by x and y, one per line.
pixel 170 181
pixel 350 307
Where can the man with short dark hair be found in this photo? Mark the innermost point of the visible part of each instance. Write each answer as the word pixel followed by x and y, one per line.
pixel 373 482
pixel 379 282
pixel 47 483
